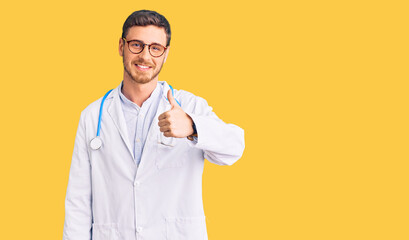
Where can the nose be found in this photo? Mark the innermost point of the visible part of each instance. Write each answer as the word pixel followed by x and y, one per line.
pixel 145 55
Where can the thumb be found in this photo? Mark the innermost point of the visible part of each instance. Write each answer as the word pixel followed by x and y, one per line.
pixel 171 99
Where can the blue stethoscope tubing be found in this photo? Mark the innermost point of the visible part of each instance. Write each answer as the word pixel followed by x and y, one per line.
pixel 96 142
pixel 171 88
pixel 100 111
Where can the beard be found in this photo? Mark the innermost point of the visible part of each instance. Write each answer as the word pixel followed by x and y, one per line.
pixel 142 78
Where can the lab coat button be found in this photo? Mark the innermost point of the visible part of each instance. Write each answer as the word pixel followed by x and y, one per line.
pixel 139 229
pixel 136 183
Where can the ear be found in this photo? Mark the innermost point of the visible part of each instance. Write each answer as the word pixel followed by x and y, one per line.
pixel 121 47
pixel 166 53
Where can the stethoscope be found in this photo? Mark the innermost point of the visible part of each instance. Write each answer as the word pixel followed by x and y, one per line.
pixel 96 142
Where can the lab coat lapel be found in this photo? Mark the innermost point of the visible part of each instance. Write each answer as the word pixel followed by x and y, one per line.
pixel 117 115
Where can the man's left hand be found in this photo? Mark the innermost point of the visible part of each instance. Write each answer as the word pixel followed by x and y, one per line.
pixel 175 122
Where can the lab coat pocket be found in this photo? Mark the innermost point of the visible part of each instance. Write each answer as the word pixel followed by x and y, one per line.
pixel 192 228
pixel 107 231
pixel 171 152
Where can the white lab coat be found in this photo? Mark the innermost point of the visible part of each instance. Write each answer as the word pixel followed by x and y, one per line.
pixel 110 198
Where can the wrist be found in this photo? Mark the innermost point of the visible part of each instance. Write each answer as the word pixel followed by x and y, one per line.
pixel 194 129
pixel 194 134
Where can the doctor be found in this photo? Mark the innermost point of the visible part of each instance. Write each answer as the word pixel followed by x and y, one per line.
pixel 143 180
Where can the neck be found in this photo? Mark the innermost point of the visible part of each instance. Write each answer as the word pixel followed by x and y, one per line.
pixel 137 92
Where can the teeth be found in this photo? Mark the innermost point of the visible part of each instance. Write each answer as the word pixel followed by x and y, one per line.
pixel 141 66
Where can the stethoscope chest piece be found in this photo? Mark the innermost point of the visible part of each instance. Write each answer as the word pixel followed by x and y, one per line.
pixel 96 143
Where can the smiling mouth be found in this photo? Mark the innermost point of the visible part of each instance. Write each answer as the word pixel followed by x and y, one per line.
pixel 142 67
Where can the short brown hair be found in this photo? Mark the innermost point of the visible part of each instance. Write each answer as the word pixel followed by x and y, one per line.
pixel 146 18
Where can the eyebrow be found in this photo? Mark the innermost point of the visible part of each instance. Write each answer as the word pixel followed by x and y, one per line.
pixel 145 43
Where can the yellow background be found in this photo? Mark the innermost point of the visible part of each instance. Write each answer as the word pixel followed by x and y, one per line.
pixel 320 88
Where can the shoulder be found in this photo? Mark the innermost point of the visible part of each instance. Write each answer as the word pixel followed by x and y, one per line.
pixel 188 97
pixel 93 108
pixel 184 97
pixel 190 102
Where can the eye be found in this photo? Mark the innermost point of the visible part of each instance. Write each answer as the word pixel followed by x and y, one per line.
pixel 136 44
pixel 156 48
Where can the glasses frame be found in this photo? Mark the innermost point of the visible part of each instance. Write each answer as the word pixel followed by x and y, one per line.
pixel 143 47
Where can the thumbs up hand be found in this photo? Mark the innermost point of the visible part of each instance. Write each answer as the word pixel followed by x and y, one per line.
pixel 175 122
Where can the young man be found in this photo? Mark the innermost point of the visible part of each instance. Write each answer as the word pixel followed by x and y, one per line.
pixel 137 172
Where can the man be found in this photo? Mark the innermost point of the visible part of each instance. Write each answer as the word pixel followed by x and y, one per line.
pixel 141 178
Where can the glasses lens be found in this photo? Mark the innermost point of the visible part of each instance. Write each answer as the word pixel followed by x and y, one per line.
pixel 156 50
pixel 135 46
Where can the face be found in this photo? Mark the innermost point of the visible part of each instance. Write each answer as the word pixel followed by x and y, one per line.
pixel 142 67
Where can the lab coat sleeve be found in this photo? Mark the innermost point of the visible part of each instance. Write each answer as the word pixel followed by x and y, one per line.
pixel 222 143
pixel 78 212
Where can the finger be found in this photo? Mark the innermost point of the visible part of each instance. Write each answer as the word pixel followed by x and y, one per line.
pixel 168 134
pixel 171 99
pixel 163 116
pixel 163 122
pixel 164 128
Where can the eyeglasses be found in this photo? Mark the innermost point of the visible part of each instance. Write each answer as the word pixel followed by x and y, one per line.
pixel 136 47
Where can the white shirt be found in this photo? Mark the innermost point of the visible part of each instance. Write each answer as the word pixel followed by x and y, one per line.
pixel 139 119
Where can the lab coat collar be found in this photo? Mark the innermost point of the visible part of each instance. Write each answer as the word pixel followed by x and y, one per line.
pixel 165 87
pixel 164 104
